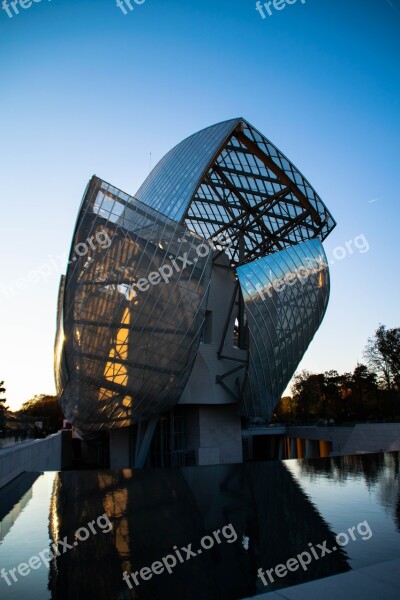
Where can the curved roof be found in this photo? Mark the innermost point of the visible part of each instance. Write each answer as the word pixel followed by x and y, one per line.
pixel 230 179
pixel 170 186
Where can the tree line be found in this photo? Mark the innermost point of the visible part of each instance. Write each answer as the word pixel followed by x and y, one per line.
pixel 370 393
pixel 3 407
pixel 42 407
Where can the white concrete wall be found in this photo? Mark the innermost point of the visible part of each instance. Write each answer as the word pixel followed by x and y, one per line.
pixel 220 435
pixel 202 387
pixel 373 437
pixel 337 435
pixel 37 455
pixel 369 437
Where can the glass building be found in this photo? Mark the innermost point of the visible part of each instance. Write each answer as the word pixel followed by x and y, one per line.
pixel 186 308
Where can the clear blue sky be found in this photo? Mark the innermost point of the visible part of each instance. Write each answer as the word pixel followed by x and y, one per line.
pixel 86 89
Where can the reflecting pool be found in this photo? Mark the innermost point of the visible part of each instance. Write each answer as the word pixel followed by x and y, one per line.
pixel 275 510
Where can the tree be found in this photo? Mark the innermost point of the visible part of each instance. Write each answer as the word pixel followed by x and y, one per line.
pixel 286 409
pixel 332 395
pixel 332 384
pixel 308 393
pixel 43 407
pixel 383 356
pixel 3 407
pixel 362 384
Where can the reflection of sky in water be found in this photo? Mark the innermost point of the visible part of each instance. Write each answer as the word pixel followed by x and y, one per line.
pixel 28 536
pixel 345 498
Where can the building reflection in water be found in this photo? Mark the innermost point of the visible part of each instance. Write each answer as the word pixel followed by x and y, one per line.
pixel 154 510
pixel 14 497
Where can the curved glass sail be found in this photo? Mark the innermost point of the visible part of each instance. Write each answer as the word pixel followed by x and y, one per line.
pixel 230 179
pixel 133 302
pixel 133 309
pixel 286 295
pixel 171 184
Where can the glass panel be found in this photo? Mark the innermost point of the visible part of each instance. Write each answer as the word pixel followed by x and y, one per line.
pixel 286 295
pixel 134 307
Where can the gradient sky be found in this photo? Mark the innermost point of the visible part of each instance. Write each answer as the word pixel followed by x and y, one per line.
pixel 87 90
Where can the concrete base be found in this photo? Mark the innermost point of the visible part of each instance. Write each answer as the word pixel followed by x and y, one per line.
pixel 214 432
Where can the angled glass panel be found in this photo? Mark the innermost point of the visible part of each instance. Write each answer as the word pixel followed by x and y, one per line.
pixel 170 186
pixel 229 178
pixel 286 295
pixel 131 311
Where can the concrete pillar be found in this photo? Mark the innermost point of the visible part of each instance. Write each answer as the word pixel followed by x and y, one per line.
pixel 324 448
pixel 144 438
pixel 300 448
pixel 280 449
pixel 308 452
pixel 219 435
pixel 312 449
pixel 120 448
pixel 293 448
pixel 250 447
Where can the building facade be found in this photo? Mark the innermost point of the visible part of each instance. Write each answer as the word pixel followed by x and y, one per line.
pixel 186 308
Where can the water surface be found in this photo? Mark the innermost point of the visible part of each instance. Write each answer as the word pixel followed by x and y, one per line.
pixel 281 507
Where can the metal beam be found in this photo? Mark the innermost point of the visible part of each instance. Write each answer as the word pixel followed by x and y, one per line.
pixel 228 318
pixel 282 176
pixel 219 378
pixel 249 174
pixel 244 202
pixel 144 438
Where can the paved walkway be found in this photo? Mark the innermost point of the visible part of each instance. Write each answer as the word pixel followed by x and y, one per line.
pixel 377 582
